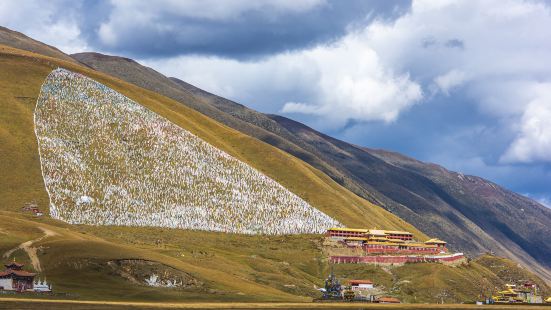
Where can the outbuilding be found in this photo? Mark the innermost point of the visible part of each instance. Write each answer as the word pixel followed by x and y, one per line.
pixel 356 285
pixel 14 278
pixel 388 300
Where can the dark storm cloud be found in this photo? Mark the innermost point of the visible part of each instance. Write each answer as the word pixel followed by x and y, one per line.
pixel 254 34
pixel 93 14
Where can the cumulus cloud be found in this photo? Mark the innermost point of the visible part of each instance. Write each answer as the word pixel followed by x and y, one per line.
pixel 345 81
pixel 494 51
pixel 533 142
pixel 232 29
pixel 353 85
pixel 375 72
pixel 46 21
pixel 450 80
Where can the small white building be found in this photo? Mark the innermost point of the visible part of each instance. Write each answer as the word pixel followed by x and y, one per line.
pixel 358 285
pixel 14 278
pixel 42 286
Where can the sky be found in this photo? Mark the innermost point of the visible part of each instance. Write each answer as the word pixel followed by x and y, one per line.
pixel 464 84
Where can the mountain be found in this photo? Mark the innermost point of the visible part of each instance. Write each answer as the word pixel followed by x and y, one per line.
pixel 224 266
pixel 18 40
pixel 105 262
pixel 224 111
pixel 472 214
pixel 107 160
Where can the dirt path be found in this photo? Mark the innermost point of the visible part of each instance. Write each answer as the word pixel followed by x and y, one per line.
pixel 30 250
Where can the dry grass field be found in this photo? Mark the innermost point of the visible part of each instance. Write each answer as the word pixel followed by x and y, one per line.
pixel 60 304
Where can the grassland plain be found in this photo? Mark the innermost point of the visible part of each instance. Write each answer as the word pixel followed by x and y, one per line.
pixel 232 267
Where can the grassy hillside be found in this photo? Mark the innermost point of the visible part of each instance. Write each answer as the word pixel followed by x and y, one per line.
pixel 229 267
pixel 227 112
pixel 107 160
pixel 472 214
pixel 76 262
pixel 434 283
pixel 21 41
pixel 21 77
pixel 84 261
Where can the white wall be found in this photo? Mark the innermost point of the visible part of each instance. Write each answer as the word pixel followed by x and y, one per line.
pixel 6 283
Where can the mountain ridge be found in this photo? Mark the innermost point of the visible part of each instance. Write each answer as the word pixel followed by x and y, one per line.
pixel 410 194
pixel 231 266
pixel 19 40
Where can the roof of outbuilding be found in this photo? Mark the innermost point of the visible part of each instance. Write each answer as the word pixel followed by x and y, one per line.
pixel 349 229
pixel 14 263
pixel 435 241
pixel 20 273
pixel 389 299
pixel 357 282
pixel 398 232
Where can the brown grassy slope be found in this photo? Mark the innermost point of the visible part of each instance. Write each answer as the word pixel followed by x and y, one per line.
pixel 22 75
pixel 21 41
pixel 232 115
pixel 504 222
pixel 511 272
pixel 296 260
pixel 76 264
pixel 472 221
pixel 432 283
pixel 233 267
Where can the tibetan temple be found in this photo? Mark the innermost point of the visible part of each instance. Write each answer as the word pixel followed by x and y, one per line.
pixel 386 247
pixel 14 278
pixel 526 293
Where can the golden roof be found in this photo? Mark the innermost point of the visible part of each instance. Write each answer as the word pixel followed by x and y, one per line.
pixel 420 245
pixel 507 292
pixel 397 232
pixel 383 243
pixel 435 241
pixel 355 238
pixel 377 232
pixel 379 238
pixel 349 229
